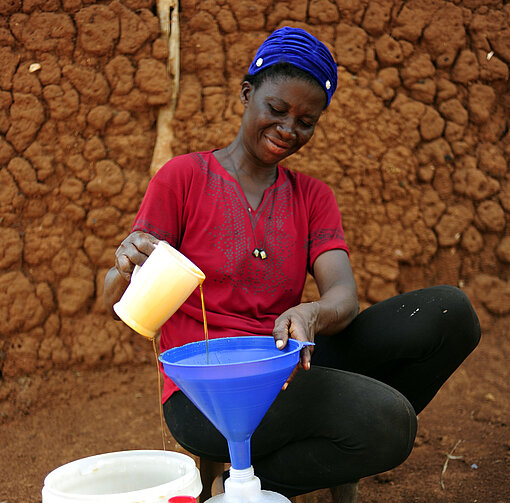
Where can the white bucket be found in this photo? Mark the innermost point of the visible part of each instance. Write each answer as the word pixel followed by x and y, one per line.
pixel 123 477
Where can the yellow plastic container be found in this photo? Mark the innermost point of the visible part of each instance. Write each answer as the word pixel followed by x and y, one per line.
pixel 158 289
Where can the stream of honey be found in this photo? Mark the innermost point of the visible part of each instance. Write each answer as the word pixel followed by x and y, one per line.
pixel 206 336
pixel 161 418
pixel 206 333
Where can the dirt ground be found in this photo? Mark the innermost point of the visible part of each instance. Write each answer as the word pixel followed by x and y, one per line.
pixel 84 413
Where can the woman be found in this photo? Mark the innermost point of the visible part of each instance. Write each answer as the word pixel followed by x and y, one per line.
pixel 255 229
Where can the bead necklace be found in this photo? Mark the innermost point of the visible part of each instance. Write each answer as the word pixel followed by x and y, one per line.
pixel 258 252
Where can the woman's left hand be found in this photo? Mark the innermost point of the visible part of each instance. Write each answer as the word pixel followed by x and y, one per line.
pixel 335 309
pixel 300 323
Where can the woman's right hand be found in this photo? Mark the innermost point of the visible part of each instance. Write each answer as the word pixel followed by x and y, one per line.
pixel 134 250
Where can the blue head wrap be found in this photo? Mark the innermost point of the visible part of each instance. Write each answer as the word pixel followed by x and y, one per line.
pixel 299 48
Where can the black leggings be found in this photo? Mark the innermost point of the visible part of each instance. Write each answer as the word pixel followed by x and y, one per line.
pixel 354 413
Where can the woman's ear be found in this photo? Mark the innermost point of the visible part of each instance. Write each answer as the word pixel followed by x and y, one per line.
pixel 246 93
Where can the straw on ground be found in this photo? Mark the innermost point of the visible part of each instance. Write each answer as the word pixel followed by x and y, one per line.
pixel 448 457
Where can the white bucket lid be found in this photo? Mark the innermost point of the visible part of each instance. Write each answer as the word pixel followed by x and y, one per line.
pixel 141 476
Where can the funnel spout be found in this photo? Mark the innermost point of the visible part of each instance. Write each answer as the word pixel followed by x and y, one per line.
pixel 240 453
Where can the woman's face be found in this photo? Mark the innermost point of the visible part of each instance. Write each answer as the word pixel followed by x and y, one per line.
pixel 280 117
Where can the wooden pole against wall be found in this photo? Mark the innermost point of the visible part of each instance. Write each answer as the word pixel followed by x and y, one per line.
pixel 168 13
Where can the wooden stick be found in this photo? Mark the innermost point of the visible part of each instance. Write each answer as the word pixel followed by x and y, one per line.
pixel 168 13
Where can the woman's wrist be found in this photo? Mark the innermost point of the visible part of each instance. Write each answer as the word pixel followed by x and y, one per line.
pixel 332 316
pixel 315 316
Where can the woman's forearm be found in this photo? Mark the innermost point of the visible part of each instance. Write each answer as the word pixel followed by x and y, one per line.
pixel 338 302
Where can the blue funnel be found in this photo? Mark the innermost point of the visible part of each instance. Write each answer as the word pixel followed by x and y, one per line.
pixel 236 387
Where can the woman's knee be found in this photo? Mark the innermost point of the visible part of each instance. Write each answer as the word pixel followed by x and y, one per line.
pixel 459 312
pixel 403 430
pixel 395 430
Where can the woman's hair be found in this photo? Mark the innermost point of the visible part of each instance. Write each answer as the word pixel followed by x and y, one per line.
pixel 282 71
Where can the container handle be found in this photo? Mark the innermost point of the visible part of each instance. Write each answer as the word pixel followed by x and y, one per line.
pixel 302 344
pixel 135 271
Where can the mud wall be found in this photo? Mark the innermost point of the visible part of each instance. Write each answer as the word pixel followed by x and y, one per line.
pixel 415 145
